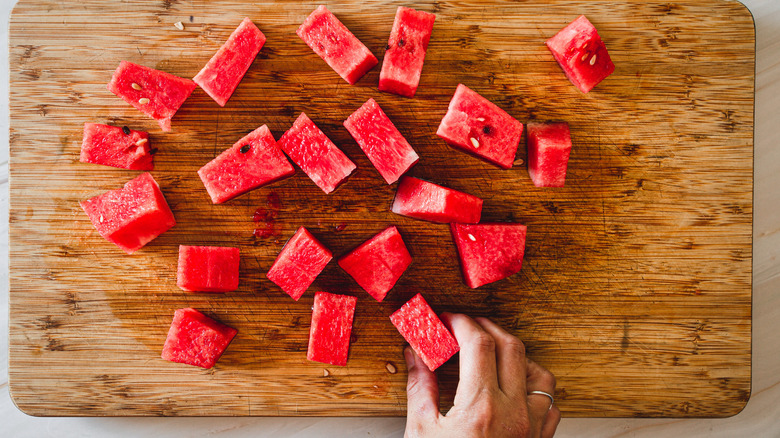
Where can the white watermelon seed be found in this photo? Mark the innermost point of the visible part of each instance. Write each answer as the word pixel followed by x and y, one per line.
pixel 135 86
pixel 101 218
pixel 141 141
pixel 474 142
pixel 472 238
pixel 390 368
pixel 593 60
pixel 325 372
pixel 178 25
pixel 480 119
pixel 143 101
pixel 584 57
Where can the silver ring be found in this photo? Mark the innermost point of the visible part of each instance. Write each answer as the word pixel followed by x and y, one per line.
pixel 552 400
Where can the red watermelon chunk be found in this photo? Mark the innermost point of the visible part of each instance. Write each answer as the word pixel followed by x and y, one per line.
pixel 336 45
pixel 153 92
pixel 331 327
pixel 383 144
pixel 300 262
pixel 489 252
pixel 378 263
pixel 132 216
pixel 251 162
pixel 581 54
pixel 116 147
pixel 222 74
pixel 549 145
pixel 405 54
pixel 315 154
pixel 477 126
pixel 425 332
pixel 195 339
pixel 431 202
pixel 208 268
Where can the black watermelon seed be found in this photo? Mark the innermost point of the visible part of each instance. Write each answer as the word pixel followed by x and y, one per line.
pixel 486 129
pixel 244 149
pixel 126 130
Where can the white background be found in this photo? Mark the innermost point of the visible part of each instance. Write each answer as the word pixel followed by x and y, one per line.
pixel 761 417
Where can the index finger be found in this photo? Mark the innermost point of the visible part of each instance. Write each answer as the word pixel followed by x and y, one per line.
pixel 477 357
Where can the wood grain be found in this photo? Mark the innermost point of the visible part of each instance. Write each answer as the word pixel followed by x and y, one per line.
pixel 636 285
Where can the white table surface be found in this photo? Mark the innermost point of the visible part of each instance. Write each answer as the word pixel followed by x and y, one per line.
pixel 760 418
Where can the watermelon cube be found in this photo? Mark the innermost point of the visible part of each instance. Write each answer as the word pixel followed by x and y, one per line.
pixel 251 162
pixel 208 268
pixel 221 75
pixel 489 252
pixel 431 202
pixel 315 154
pixel 131 216
pixel 331 328
pixel 405 51
pixel 425 332
pixel 336 45
pixel 195 339
pixel 300 262
pixel 384 145
pixel 549 145
pixel 116 147
pixel 478 127
pixel 581 53
pixel 378 263
pixel 153 92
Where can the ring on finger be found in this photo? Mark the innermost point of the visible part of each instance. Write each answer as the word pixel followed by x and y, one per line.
pixel 552 400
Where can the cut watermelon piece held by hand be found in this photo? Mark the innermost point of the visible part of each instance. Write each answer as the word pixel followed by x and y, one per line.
pixel 153 92
pixel 425 333
pixel 581 53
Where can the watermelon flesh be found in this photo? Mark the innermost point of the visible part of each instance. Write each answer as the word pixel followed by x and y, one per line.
pixel 383 144
pixel 208 268
pixel 315 154
pixel 254 161
pixel 336 45
pixel 425 332
pixel 378 263
pixel 489 252
pixel 431 202
pixel 581 53
pixel 195 339
pixel 477 126
pixel 116 147
pixel 131 216
pixel 222 74
pixel 405 54
pixel 302 259
pixel 153 92
pixel 549 146
pixel 331 328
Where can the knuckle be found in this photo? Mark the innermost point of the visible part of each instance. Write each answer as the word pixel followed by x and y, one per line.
pixel 516 345
pixel 483 341
pixel 547 379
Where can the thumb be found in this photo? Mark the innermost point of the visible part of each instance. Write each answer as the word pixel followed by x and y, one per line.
pixel 422 393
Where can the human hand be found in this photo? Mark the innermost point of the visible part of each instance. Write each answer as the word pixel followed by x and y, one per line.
pixel 492 399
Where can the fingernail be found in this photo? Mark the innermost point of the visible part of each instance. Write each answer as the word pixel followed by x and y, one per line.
pixel 409 356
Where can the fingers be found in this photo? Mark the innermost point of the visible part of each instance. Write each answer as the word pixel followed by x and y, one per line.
pixel 538 379
pixel 422 392
pixel 510 358
pixel 477 357
pixel 551 421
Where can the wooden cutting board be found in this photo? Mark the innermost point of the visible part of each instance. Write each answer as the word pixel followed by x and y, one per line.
pixel 636 284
